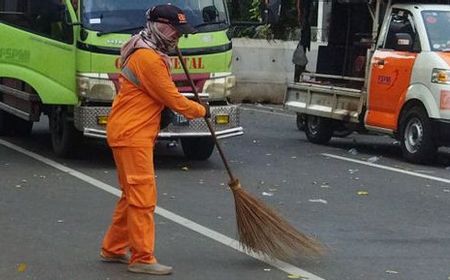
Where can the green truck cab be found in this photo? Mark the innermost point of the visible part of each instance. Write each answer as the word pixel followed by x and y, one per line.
pixel 60 58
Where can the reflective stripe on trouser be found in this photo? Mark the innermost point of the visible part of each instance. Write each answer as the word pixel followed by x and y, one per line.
pixel 133 224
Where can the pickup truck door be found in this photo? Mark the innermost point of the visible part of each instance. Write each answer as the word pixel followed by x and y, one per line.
pixel 391 70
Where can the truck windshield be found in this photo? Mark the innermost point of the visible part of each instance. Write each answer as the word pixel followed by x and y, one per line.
pixel 127 16
pixel 437 24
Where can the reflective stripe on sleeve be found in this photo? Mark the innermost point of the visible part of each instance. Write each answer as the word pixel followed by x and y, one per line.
pixel 130 76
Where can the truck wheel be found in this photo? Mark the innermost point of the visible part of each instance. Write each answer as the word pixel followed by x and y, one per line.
pixel 318 130
pixel 5 123
pixel 197 148
pixel 300 122
pixel 416 134
pixel 65 137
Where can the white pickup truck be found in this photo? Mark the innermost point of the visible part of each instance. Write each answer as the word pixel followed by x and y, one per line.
pixel 392 78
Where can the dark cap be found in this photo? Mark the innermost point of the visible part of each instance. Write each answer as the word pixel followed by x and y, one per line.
pixel 172 15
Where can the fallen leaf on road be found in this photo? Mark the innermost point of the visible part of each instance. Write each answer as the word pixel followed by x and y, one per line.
pixel 18 186
pixel 318 201
pixel 273 190
pixel 60 221
pixel 267 269
pixel 363 193
pixel 267 194
pixel 353 151
pixel 21 267
pixel 353 171
pixel 24 181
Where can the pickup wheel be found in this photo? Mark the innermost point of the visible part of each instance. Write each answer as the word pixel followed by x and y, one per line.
pixel 416 134
pixel 65 137
pixel 318 130
pixel 197 148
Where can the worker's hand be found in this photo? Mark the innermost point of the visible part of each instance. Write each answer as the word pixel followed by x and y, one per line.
pixel 208 111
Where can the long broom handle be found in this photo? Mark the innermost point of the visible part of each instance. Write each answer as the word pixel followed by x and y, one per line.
pixel 208 122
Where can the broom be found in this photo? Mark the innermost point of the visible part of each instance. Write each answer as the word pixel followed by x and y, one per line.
pixel 260 229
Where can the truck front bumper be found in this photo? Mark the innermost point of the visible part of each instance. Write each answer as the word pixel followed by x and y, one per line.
pixel 90 121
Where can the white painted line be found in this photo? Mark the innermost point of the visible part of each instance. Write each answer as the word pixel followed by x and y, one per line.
pixel 283 266
pixel 398 170
pixel 267 110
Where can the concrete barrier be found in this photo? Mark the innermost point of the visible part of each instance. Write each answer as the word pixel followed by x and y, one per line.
pixel 263 68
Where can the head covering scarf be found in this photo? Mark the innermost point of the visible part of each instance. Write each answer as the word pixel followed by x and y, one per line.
pixel 156 35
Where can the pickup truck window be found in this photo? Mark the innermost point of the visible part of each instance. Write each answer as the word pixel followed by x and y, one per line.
pixel 44 17
pixel 401 22
pixel 437 24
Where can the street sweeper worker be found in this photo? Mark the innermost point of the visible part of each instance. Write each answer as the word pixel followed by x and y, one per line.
pixel 133 125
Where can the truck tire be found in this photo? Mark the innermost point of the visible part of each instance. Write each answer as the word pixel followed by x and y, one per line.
pixel 416 134
pixel 300 122
pixel 197 148
pixel 318 130
pixel 65 137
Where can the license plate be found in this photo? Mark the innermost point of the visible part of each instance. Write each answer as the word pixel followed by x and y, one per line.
pixel 179 120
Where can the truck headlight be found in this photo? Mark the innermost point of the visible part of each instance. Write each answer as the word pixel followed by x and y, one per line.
pixel 440 76
pixel 219 87
pixel 95 87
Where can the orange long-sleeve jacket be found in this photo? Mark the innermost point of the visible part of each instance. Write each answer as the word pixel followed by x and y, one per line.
pixel 135 116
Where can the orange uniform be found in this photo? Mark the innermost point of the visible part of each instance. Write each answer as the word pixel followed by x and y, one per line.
pixel 133 126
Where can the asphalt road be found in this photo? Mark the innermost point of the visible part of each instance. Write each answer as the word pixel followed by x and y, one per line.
pixel 380 217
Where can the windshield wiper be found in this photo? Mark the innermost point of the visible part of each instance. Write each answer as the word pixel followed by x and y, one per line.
pixel 101 33
pixel 210 23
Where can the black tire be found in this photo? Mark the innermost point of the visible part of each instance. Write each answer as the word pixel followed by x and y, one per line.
pixel 416 134
pixel 5 123
pixel 318 130
pixel 65 137
pixel 197 148
pixel 300 122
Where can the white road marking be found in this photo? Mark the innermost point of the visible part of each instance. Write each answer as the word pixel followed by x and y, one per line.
pixel 398 170
pixel 283 266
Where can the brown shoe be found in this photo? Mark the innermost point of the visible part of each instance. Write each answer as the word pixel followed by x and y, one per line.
pixel 114 258
pixel 153 268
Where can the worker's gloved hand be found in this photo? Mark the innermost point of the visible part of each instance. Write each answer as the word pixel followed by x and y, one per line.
pixel 208 111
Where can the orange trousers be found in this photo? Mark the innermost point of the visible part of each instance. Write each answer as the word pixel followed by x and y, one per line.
pixel 133 224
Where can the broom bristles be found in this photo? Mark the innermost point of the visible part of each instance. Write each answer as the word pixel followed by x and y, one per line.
pixel 262 230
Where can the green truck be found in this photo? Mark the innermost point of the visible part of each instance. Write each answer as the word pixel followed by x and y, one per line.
pixel 60 58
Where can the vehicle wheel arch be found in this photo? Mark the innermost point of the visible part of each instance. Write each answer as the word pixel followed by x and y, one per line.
pixel 408 105
pixel 421 93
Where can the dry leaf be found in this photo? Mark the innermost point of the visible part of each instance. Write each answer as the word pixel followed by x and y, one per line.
pixel 362 193
pixel 21 267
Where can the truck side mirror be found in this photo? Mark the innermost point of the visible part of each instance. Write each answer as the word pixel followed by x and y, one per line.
pixel 403 42
pixel 68 19
pixel 210 14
